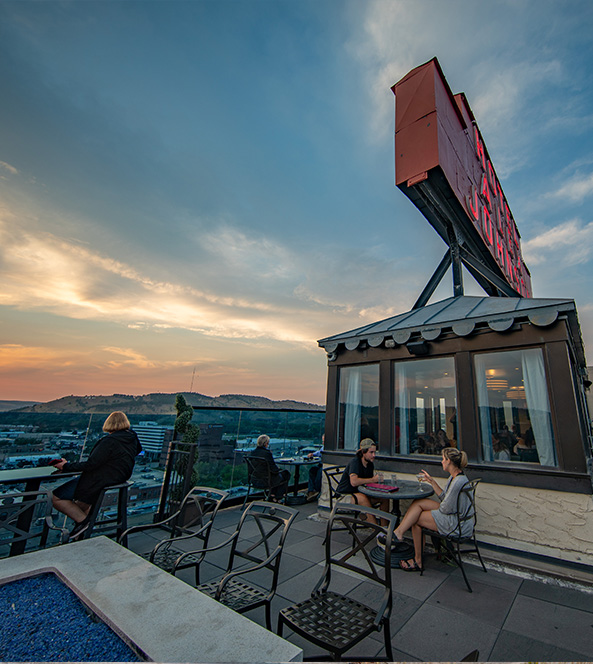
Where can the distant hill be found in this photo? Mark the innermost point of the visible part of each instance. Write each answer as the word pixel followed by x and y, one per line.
pixel 12 405
pixel 155 404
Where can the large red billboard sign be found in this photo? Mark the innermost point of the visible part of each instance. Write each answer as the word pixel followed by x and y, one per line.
pixel 443 166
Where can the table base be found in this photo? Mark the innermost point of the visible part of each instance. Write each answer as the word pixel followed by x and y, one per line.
pixel 402 551
pixel 299 499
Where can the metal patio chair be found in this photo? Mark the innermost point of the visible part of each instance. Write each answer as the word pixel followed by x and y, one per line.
pixel 333 475
pixel 115 526
pixel 473 656
pixel 454 540
pixel 255 551
pixel 190 527
pixel 25 520
pixel 259 478
pixel 337 622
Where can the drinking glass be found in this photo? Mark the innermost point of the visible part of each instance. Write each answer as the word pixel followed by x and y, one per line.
pixel 420 478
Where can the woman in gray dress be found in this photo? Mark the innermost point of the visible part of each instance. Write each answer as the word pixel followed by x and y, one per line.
pixel 438 516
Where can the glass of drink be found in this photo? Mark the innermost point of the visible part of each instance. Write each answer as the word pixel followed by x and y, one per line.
pixel 380 477
pixel 420 478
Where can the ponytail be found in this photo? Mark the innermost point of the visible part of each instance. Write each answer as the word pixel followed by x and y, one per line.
pixel 457 457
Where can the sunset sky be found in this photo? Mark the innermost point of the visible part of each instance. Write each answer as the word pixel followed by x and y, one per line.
pixel 208 186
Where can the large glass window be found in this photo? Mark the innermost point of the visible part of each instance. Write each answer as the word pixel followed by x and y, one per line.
pixel 425 406
pixel 514 409
pixel 358 411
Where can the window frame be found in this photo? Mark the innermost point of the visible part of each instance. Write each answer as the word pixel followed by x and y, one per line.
pixel 484 450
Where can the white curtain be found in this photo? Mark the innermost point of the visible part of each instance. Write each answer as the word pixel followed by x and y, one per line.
pixel 483 407
pixel 353 409
pixel 536 394
pixel 403 403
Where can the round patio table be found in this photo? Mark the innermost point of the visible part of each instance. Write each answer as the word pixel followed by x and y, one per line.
pixel 407 490
pixel 296 462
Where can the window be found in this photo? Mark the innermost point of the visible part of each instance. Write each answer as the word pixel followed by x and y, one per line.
pixel 513 406
pixel 425 406
pixel 358 410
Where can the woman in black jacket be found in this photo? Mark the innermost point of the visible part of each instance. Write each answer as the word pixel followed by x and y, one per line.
pixel 111 461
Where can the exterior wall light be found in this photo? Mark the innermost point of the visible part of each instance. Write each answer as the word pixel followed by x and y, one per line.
pixel 417 347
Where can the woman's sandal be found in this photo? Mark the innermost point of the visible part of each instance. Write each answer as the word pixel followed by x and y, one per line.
pixel 407 567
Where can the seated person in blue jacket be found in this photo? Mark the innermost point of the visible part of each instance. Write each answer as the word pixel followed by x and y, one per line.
pixel 361 470
pixel 279 477
pixel 111 461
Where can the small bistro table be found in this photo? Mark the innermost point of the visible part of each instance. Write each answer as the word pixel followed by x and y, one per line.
pixel 407 490
pixel 296 463
pixel 31 478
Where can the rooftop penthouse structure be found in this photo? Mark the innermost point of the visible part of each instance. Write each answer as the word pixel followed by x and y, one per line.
pixel 502 377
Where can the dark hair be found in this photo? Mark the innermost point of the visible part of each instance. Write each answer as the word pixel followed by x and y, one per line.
pixel 365 444
pixel 528 438
pixel 457 457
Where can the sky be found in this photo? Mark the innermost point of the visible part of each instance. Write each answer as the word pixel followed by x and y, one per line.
pixel 193 193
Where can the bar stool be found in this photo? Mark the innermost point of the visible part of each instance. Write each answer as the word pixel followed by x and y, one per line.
pixel 115 525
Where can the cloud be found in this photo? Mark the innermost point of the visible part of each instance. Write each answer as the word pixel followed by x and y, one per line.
pixel 245 287
pixel 7 167
pixel 576 189
pixel 502 83
pixel 569 243
pixel 23 357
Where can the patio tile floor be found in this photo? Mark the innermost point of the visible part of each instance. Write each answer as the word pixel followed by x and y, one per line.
pixel 435 618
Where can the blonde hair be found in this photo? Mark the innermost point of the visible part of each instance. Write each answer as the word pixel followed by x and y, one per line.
pixel 117 421
pixel 263 440
pixel 457 457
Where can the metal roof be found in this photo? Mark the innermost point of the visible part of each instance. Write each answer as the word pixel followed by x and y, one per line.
pixel 461 316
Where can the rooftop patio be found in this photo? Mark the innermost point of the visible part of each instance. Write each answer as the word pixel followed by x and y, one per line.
pixel 511 615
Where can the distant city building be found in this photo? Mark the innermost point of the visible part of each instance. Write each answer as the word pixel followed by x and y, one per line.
pixel 153 437
pixel 210 444
pixel 24 459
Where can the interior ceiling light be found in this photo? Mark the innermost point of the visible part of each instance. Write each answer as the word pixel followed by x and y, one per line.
pixel 499 384
pixel 516 393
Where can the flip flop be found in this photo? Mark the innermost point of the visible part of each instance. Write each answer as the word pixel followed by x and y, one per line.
pixel 414 567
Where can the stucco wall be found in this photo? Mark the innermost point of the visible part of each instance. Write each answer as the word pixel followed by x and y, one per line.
pixel 550 523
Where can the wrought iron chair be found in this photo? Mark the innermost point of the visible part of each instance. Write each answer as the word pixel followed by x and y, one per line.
pixel 453 541
pixel 257 542
pixel 259 477
pixel 473 656
pixel 197 510
pixel 337 622
pixel 111 526
pixel 333 475
pixel 530 455
pixel 25 518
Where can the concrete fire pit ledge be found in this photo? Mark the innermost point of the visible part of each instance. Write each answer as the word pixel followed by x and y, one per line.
pixel 158 615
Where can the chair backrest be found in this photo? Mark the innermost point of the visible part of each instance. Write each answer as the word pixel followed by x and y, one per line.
pixel 333 475
pixel 530 455
pixel 24 517
pixel 259 473
pixel 198 509
pixel 260 535
pixel 466 511
pixel 348 517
